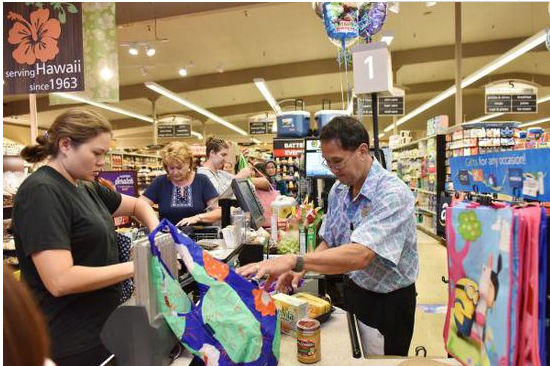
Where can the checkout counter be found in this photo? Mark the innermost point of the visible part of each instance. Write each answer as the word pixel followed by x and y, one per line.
pixel 138 335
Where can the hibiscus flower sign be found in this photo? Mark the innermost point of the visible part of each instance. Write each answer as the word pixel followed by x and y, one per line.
pixel 43 50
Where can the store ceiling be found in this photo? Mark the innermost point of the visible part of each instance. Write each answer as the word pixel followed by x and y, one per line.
pixel 286 44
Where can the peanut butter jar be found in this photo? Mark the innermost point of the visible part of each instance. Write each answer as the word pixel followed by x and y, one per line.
pixel 308 340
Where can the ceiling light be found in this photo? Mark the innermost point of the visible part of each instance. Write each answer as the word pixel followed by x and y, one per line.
pixel 105 106
pixel 509 56
pixel 380 135
pixel 394 7
pixel 485 118
pixel 169 94
pixel 106 73
pixel 387 37
pixel 220 69
pixel 150 51
pixel 537 122
pixel 183 71
pixel 429 4
pixel 143 70
pixel 255 140
pixel 262 87
pixel 133 50
pixel 494 115
pixel 197 135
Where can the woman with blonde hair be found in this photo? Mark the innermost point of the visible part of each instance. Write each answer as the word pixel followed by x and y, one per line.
pixel 181 194
pixel 65 236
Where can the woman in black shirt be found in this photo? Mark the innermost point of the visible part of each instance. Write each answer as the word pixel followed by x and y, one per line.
pixel 65 238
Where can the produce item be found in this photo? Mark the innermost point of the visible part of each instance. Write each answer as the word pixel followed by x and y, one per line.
pixel 315 305
pixel 291 310
pixel 288 244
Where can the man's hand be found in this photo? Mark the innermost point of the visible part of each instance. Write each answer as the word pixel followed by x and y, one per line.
pixel 273 268
pixel 289 282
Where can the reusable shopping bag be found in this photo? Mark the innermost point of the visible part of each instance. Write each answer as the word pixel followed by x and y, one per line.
pixel 479 246
pixel 527 342
pixel 124 248
pixel 235 322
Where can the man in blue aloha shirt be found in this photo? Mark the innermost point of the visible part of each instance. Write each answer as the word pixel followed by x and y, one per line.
pixel 369 233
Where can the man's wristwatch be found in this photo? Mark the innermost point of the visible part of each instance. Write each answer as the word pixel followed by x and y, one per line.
pixel 299 267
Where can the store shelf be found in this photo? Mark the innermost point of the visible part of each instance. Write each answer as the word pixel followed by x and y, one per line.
pixel 424 191
pixel 423 210
pixel 431 233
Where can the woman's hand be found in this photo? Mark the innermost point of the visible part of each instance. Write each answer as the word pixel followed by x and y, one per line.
pixel 189 221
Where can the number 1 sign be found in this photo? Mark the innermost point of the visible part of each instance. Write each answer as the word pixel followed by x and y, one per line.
pixel 372 72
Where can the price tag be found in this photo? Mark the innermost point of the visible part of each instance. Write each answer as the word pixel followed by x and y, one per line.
pixel 530 187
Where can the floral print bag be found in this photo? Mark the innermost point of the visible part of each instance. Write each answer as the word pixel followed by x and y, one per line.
pixel 234 322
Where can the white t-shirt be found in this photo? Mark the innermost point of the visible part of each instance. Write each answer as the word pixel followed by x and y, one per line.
pixel 220 179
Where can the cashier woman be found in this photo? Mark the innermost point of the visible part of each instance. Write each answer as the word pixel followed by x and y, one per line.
pixel 369 233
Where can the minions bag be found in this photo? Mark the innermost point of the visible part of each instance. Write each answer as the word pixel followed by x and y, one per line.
pixel 234 323
pixel 480 250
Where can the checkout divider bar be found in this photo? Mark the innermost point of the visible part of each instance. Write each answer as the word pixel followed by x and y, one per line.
pixel 354 335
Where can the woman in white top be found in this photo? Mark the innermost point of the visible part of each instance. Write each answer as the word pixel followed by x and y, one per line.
pixel 217 151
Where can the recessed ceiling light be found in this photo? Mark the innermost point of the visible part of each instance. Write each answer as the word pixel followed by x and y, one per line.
pixel 182 72
pixel 150 51
pixel 133 50
pixel 106 73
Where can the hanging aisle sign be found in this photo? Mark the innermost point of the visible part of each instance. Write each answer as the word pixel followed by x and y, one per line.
pixel 387 106
pixel 182 130
pixel 520 173
pixel 511 96
pixel 258 128
pixel 165 131
pixel 43 50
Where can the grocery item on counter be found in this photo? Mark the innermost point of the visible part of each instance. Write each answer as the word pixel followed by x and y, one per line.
pixel 308 340
pixel 291 310
pixel 315 305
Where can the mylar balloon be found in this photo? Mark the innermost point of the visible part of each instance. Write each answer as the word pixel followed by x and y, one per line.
pixel 318 9
pixel 372 16
pixel 340 20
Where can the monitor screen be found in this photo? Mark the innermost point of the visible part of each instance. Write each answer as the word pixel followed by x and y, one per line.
pixel 314 160
pixel 248 201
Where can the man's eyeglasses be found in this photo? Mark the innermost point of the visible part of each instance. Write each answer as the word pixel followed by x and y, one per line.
pixel 337 166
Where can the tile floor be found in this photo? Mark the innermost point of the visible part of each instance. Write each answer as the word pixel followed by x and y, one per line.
pixel 432 297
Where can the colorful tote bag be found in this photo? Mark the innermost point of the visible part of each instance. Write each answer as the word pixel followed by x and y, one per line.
pixel 234 323
pixel 479 246
pixel 527 341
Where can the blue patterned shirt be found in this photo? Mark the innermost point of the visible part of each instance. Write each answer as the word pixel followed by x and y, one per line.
pixel 381 218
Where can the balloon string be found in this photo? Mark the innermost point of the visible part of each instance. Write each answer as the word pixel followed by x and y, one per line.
pixel 348 90
pixel 340 77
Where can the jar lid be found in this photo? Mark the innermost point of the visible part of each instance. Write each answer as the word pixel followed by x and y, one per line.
pixel 308 324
